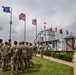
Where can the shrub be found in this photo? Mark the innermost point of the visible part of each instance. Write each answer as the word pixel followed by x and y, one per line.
pixel 64 55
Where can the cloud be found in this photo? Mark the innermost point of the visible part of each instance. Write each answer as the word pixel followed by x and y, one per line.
pixel 1 28
pixel 60 13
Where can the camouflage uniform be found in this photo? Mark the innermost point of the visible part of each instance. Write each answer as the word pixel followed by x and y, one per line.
pixel 9 44
pixel 34 50
pixel 41 48
pixel 24 53
pixel 31 53
pixel 21 61
pixel 28 55
pixel 14 50
pixel 4 52
pixel 1 44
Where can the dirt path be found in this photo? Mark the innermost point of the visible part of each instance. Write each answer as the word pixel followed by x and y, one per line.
pixel 58 60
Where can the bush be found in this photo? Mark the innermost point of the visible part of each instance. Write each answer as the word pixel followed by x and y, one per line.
pixel 64 55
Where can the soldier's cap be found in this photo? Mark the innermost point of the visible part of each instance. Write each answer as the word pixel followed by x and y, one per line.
pixel 35 44
pixel 1 40
pixel 9 40
pixel 6 43
pixel 22 42
pixel 26 43
pixel 15 42
pixel 30 43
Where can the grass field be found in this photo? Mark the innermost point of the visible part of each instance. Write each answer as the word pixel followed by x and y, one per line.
pixel 45 67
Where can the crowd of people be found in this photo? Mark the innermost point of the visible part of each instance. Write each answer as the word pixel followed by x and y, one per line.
pixel 19 55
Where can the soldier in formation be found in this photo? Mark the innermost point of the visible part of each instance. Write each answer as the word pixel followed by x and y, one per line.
pixel 4 52
pixel 41 48
pixel 35 49
pixel 1 44
pixel 19 54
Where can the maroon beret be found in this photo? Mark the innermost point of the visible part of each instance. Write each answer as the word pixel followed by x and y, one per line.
pixel 6 43
pixel 9 40
pixel 22 42
pixel 1 40
pixel 26 43
pixel 15 42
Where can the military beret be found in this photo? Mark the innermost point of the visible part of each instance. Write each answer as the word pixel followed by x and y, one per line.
pixel 22 42
pixel 35 44
pixel 30 43
pixel 9 40
pixel 15 42
pixel 26 43
pixel 6 43
pixel 1 40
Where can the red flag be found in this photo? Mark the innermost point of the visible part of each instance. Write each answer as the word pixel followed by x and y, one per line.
pixel 56 29
pixel 45 22
pixel 67 32
pixel 22 17
pixel 60 31
pixel 34 21
pixel 50 29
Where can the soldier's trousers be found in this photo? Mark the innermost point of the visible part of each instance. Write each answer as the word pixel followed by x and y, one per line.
pixel 21 62
pixel 14 64
pixel 31 57
pixel 35 52
pixel 41 53
pixel 28 61
pixel 0 57
pixel 4 62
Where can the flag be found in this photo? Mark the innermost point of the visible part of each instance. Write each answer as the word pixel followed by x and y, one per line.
pixel 6 9
pixel 50 29
pixel 60 31
pixel 67 32
pixel 22 17
pixel 56 29
pixel 45 22
pixel 34 21
pixel 44 27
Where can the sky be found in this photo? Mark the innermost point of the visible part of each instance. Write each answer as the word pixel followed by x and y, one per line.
pixel 60 13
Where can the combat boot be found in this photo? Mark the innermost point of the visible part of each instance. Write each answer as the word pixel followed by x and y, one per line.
pixel 12 73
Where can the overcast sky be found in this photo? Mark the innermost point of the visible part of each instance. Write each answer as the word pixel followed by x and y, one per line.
pixel 60 13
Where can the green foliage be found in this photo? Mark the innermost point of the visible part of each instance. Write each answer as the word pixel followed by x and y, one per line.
pixel 64 55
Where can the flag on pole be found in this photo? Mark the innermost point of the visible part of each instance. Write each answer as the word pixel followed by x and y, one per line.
pixel 50 29
pixel 6 9
pixel 44 27
pixel 22 17
pixel 60 31
pixel 67 32
pixel 45 22
pixel 34 21
pixel 56 29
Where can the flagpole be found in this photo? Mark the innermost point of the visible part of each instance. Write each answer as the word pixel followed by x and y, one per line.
pixel 10 23
pixel 52 38
pixel 36 29
pixel 62 40
pixel 25 30
pixel 57 39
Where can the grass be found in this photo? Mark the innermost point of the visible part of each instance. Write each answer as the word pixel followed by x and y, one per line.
pixel 46 67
